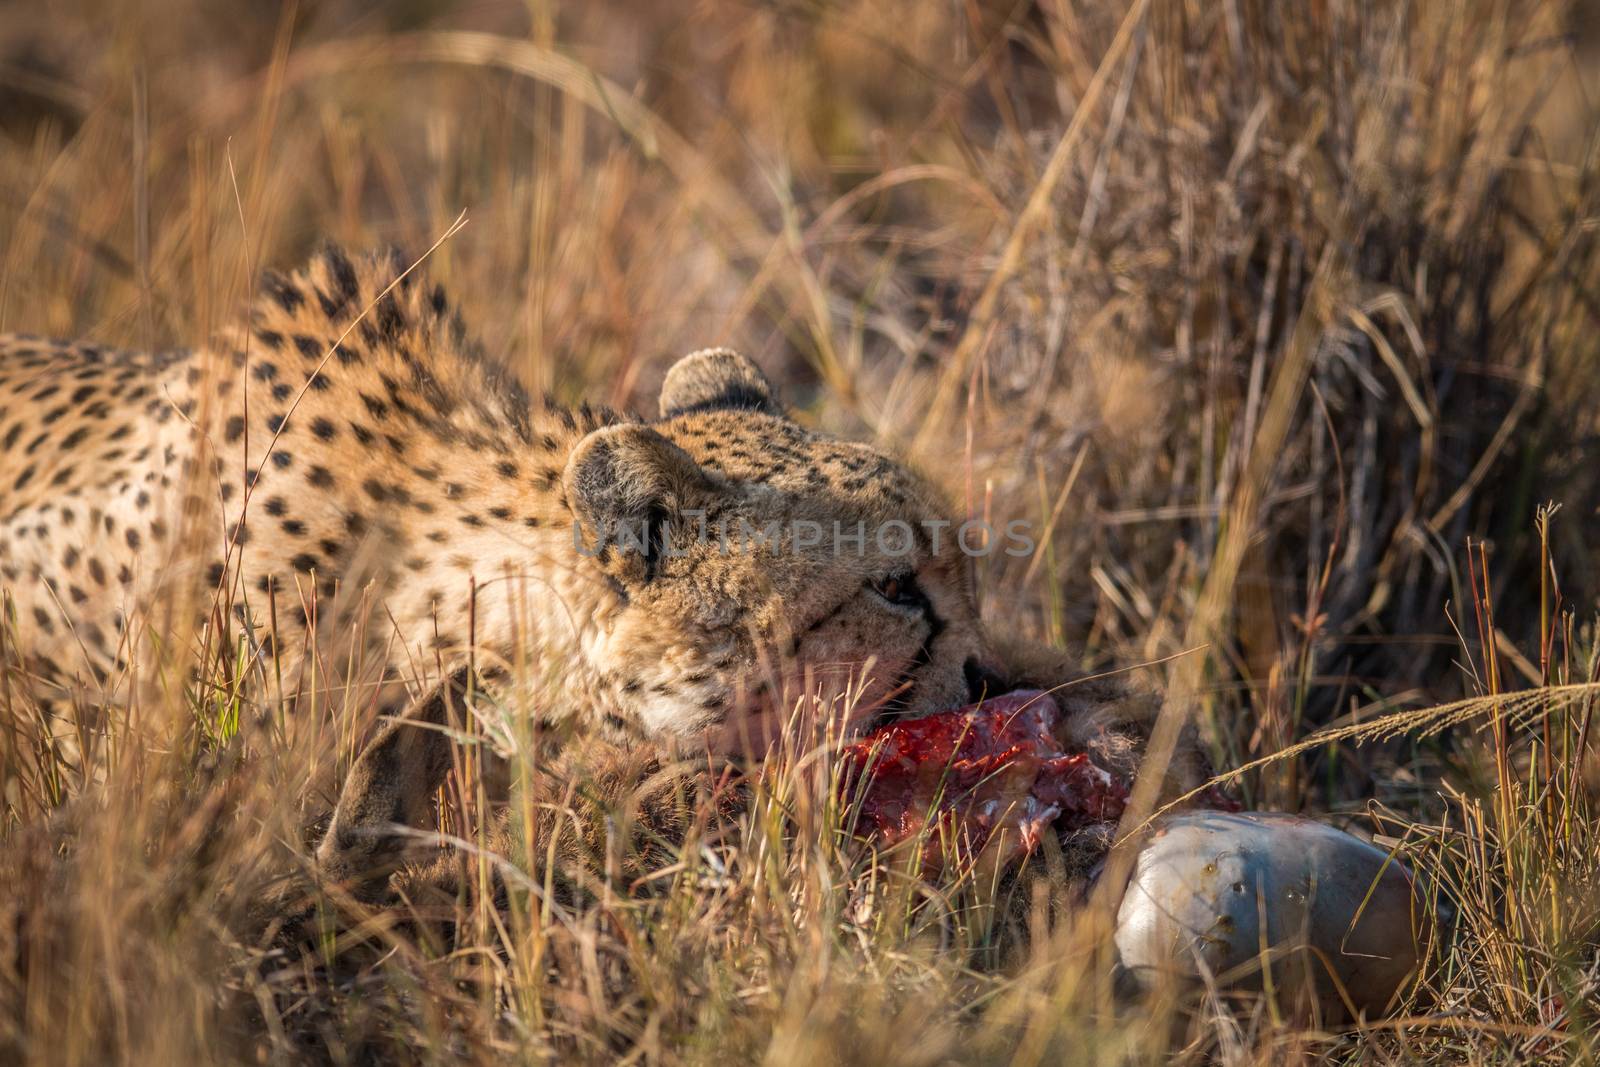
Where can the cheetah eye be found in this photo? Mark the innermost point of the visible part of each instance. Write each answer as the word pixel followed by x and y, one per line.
pixel 900 590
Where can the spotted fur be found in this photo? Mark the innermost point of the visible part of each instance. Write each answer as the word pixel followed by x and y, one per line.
pixel 347 454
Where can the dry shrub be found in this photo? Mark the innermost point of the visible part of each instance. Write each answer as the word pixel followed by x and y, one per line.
pixel 1256 311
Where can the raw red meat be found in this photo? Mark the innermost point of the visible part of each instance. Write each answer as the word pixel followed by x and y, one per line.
pixel 988 774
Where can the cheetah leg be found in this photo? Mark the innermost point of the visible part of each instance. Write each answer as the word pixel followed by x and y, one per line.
pixel 389 790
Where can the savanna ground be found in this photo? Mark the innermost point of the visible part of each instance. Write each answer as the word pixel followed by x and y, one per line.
pixel 1281 322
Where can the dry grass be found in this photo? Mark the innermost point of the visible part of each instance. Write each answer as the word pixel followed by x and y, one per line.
pixel 1280 318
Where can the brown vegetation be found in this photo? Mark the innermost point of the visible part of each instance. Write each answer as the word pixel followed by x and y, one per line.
pixel 1280 322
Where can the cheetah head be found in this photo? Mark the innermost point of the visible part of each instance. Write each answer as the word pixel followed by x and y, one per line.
pixel 750 560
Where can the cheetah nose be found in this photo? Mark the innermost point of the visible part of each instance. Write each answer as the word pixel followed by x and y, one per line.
pixel 981 680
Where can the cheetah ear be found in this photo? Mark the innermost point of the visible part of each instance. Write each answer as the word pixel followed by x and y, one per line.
pixel 628 488
pixel 714 378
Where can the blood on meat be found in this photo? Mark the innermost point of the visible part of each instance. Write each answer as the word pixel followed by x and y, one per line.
pixel 991 776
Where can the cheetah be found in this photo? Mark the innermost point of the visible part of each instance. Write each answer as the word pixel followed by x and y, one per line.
pixel 346 450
